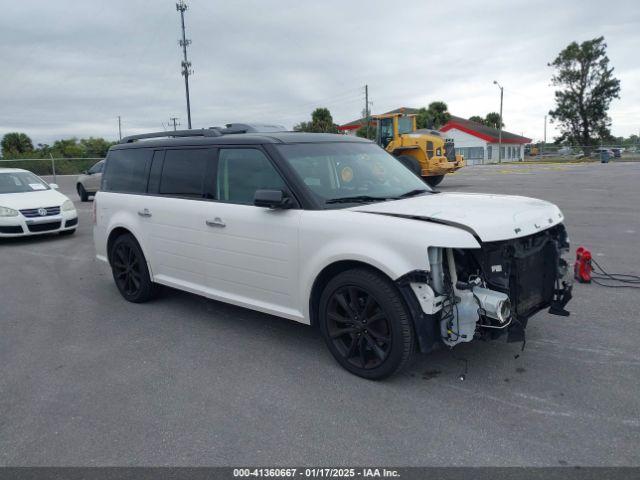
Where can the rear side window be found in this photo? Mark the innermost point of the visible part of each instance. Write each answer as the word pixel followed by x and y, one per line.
pixel 184 171
pixel 126 170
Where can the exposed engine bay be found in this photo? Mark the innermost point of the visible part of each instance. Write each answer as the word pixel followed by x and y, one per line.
pixel 486 292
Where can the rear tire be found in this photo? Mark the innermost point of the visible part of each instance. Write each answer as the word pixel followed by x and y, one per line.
pixel 82 193
pixel 434 180
pixel 366 324
pixel 130 271
pixel 411 163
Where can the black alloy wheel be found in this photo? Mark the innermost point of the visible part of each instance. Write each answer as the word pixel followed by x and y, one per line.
pixel 130 270
pixel 358 327
pixel 366 323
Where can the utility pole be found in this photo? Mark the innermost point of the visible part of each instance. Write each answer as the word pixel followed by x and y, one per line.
pixel 366 108
pixel 174 120
pixel 119 128
pixel 181 6
pixel 500 123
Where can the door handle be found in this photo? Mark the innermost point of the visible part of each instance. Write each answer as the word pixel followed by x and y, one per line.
pixel 216 222
pixel 144 213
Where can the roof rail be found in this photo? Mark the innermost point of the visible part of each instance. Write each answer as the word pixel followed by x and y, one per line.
pixel 199 132
pixel 252 128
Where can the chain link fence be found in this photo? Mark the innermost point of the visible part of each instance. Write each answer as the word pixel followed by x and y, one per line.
pixel 51 166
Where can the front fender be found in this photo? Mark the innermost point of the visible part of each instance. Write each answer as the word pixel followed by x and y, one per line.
pixel 395 246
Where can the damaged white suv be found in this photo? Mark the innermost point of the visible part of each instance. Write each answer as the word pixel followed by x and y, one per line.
pixel 331 231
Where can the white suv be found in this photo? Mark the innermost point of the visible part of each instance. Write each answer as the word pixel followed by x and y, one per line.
pixel 327 230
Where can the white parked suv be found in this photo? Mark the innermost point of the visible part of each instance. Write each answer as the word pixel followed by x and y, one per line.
pixel 327 230
pixel 31 206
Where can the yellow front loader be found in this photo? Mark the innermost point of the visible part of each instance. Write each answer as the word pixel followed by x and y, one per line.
pixel 425 152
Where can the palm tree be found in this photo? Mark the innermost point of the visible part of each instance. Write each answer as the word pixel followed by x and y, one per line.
pixel 16 143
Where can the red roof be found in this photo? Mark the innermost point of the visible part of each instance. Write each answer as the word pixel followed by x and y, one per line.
pixel 484 132
pixel 345 128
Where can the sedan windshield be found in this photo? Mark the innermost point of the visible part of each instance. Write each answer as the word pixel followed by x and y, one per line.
pixel 20 182
pixel 343 173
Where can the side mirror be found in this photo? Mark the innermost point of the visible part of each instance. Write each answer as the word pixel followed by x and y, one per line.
pixel 85 172
pixel 54 186
pixel 271 199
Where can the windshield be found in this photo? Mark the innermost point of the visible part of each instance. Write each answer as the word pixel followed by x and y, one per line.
pixel 20 182
pixel 351 172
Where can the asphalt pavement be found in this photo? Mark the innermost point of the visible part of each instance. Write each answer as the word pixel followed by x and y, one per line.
pixel 88 379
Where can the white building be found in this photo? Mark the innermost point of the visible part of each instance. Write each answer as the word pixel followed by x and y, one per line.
pixel 479 143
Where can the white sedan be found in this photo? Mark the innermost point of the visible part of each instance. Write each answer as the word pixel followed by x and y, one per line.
pixel 31 206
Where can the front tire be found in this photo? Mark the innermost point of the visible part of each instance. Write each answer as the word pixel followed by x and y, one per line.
pixel 82 193
pixel 130 271
pixel 434 180
pixel 366 324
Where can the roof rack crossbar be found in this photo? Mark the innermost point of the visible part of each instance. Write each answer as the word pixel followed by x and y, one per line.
pixel 200 132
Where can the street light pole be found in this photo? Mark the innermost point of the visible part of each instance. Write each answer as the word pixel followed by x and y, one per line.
pixel 500 123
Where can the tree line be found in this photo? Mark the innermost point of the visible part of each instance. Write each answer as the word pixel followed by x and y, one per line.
pixel 18 146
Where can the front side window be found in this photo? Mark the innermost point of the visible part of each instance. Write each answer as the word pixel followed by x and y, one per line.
pixel 126 170
pixel 21 182
pixel 342 172
pixel 183 172
pixel 242 171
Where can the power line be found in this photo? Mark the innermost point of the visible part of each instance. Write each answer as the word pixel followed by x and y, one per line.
pixel 181 7
pixel 174 121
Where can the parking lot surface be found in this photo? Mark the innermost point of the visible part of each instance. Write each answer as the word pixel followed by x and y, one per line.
pixel 89 379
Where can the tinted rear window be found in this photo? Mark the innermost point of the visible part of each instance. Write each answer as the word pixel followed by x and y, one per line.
pixel 183 172
pixel 126 170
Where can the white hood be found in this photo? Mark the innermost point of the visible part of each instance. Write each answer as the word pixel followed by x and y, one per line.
pixel 491 217
pixel 35 199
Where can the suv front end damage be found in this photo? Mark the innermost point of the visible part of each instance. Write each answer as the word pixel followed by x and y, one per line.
pixel 490 291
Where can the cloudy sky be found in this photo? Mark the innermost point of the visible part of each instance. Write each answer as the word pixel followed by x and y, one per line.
pixel 69 68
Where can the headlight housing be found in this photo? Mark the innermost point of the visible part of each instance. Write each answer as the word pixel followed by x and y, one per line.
pixel 8 212
pixel 67 206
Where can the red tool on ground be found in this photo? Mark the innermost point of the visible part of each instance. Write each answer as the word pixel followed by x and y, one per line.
pixel 582 268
